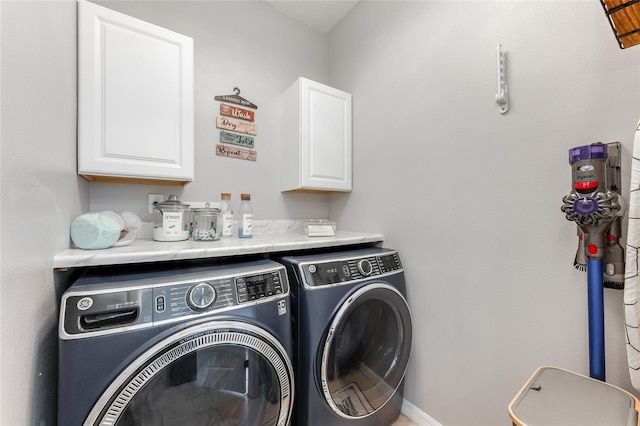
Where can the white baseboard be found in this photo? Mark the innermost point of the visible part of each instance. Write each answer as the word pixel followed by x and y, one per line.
pixel 416 415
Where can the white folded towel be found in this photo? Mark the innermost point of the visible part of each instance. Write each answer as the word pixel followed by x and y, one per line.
pixel 631 279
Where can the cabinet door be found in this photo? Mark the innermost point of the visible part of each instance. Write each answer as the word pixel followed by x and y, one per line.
pixel 316 138
pixel 135 99
pixel 326 137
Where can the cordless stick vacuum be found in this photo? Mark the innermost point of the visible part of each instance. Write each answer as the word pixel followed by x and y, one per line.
pixel 594 207
pixel 614 255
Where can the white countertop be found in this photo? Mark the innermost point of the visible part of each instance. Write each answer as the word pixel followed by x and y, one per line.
pixel 266 241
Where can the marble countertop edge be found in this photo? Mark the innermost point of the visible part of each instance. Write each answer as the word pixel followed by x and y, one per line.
pixel 147 250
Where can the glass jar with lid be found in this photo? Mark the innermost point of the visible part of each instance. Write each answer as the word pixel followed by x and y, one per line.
pixel 171 220
pixel 205 224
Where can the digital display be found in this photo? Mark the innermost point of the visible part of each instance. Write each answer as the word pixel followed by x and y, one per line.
pixel 255 287
pixel 259 286
pixel 389 262
pixel 326 273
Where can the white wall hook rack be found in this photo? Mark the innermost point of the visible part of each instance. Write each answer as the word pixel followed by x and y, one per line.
pixel 502 98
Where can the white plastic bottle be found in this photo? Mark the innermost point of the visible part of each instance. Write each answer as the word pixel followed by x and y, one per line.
pixel 245 217
pixel 227 214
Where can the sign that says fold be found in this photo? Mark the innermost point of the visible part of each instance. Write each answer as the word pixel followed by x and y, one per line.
pixel 240 140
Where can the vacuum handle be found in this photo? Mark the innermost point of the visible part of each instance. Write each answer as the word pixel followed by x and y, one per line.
pixel 595 240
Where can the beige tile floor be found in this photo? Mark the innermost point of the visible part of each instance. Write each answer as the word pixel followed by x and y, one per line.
pixel 403 421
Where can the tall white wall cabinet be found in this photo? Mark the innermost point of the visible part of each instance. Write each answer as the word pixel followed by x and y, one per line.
pixel 135 99
pixel 316 138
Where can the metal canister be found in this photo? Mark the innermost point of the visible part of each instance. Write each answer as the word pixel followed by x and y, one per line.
pixel 205 224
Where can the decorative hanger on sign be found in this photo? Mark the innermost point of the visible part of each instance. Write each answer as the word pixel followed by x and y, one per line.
pixel 236 99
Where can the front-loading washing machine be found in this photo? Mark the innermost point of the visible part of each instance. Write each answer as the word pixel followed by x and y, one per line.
pixel 352 336
pixel 200 345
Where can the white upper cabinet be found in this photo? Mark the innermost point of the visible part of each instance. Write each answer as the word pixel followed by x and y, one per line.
pixel 316 138
pixel 135 99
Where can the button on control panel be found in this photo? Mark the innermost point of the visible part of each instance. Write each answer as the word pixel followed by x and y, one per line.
pixel 201 296
pixel 160 303
pixel 364 267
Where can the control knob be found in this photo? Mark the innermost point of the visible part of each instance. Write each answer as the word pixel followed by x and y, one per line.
pixel 365 268
pixel 201 296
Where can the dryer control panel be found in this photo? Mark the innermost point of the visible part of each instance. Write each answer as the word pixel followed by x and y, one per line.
pixel 336 271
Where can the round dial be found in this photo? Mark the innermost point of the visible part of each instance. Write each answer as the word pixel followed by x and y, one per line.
pixel 201 296
pixel 365 268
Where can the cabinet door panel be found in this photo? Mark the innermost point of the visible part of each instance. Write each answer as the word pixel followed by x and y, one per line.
pixel 135 98
pixel 139 87
pixel 327 154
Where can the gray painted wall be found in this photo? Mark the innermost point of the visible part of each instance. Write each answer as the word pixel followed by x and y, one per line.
pixel 40 194
pixel 471 198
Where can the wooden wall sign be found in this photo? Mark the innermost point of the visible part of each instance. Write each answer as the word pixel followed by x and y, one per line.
pixel 236 126
pixel 235 112
pixel 233 152
pixel 232 138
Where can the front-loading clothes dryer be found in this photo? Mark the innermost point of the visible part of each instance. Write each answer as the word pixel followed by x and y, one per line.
pixel 193 346
pixel 352 336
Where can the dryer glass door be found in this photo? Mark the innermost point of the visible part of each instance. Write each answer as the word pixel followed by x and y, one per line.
pixel 221 373
pixel 366 351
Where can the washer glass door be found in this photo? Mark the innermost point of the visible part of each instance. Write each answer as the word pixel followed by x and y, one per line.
pixel 366 351
pixel 222 374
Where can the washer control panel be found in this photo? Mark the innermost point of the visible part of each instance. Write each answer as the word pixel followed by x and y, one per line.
pixel 212 295
pixel 107 304
pixel 335 271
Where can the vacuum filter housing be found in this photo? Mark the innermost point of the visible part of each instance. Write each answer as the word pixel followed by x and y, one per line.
pixel 588 168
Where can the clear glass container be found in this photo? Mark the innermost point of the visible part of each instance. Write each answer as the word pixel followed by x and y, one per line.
pixel 171 220
pixel 245 217
pixel 318 228
pixel 205 224
pixel 226 227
